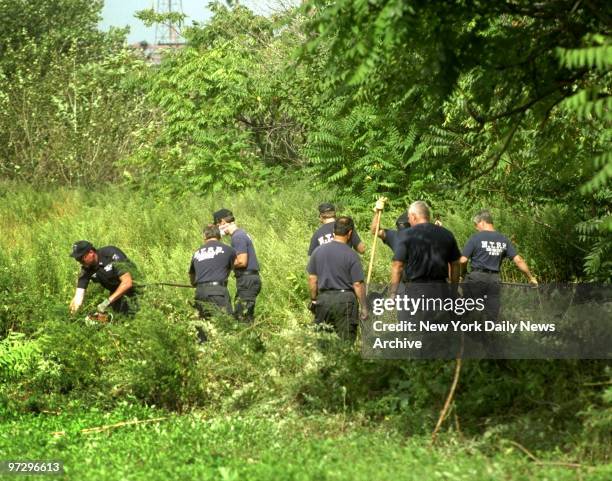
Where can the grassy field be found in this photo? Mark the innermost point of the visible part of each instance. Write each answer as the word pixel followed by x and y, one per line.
pixel 274 400
pixel 239 447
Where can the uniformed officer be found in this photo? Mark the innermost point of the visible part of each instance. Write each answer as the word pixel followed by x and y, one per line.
pixel 388 236
pixel 487 249
pixel 336 282
pixel 209 270
pixel 424 253
pixel 325 233
pixel 425 257
pixel 246 267
pixel 111 268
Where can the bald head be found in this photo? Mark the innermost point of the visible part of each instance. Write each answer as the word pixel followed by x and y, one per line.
pixel 418 212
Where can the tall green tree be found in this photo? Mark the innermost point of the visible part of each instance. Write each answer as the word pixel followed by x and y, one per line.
pixel 68 99
pixel 473 96
pixel 593 103
pixel 228 104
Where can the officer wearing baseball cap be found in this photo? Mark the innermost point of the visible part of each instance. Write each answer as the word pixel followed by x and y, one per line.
pixel 336 282
pixel 109 267
pixel 246 266
pixel 325 233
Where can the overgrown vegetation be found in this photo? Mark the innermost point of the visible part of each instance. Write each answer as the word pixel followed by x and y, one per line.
pixel 51 361
pixel 70 98
pixel 506 102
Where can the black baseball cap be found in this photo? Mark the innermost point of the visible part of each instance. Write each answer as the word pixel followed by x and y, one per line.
pixel 402 221
pixel 326 207
pixel 221 214
pixel 80 248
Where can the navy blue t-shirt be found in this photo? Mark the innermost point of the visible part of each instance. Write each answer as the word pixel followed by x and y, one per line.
pixel 112 264
pixel 426 250
pixel 391 237
pixel 212 262
pixel 325 234
pixel 487 249
pixel 243 244
pixel 336 266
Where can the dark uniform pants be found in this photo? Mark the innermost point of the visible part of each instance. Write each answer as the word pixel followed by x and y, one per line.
pixel 437 344
pixel 248 287
pixel 480 284
pixel 339 310
pixel 211 299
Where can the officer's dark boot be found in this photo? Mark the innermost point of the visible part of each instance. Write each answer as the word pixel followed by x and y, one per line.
pixel 244 310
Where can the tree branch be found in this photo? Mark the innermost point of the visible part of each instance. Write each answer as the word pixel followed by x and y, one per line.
pixel 523 108
pixel 495 158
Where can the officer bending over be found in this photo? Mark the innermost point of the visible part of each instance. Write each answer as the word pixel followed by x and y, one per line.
pixel 325 233
pixel 107 266
pixel 336 282
pixel 246 267
pixel 209 270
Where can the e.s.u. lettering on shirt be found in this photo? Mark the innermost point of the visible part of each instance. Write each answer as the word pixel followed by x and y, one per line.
pixel 208 253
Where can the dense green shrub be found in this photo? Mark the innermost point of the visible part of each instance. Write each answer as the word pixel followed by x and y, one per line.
pixel 279 364
pixel 493 103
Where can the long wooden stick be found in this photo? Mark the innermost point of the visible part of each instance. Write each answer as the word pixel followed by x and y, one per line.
pixel 107 427
pixel 378 214
pixel 546 463
pixel 170 284
pixel 450 396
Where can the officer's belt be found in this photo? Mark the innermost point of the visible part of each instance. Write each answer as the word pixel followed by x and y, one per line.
pixel 245 273
pixel 213 283
pixel 337 290
pixel 426 281
pixel 486 271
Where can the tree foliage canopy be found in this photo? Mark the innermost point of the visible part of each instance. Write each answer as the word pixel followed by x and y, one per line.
pixel 501 100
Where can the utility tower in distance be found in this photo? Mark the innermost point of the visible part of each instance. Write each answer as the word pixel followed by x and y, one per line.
pixel 168 34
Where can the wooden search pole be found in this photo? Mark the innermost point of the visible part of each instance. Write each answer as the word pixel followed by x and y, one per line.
pixel 378 214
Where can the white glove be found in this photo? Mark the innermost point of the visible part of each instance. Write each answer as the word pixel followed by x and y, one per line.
pixel 380 204
pixel 77 300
